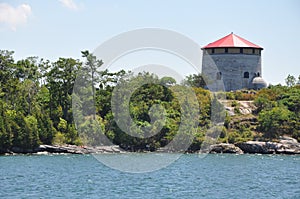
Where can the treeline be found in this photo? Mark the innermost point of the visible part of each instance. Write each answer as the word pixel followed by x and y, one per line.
pixel 36 106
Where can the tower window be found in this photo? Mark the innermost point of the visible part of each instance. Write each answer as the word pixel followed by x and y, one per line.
pixel 258 74
pixel 241 50
pixel 226 50
pixel 219 75
pixel 212 51
pixel 246 74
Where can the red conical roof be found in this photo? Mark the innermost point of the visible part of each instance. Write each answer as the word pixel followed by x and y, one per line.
pixel 232 40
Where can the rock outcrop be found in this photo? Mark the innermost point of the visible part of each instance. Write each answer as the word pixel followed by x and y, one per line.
pixel 242 107
pixel 71 149
pixel 80 149
pixel 288 145
pixel 255 147
pixel 225 148
pixel 285 146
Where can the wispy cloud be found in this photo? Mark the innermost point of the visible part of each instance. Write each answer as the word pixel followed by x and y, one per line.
pixel 70 4
pixel 14 16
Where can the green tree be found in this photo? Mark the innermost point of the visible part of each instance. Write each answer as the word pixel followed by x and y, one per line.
pixel 31 136
pixel 290 80
pixel 61 79
pixel 91 68
pixel 195 80
pixel 168 81
pixel 5 129
pixel 274 122
pixel 263 103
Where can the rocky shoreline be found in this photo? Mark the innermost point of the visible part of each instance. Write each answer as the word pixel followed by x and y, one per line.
pixel 68 149
pixel 286 145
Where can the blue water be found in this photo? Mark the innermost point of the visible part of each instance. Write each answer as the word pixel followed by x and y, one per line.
pixel 215 176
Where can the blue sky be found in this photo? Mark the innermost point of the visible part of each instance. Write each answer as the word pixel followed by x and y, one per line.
pixel 62 28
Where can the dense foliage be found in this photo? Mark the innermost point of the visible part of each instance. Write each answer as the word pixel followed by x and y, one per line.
pixel 36 106
pixel 279 111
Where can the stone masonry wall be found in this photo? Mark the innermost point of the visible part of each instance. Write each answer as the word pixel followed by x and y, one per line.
pixel 232 67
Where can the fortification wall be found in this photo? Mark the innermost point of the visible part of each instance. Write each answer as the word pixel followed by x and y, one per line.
pixel 228 71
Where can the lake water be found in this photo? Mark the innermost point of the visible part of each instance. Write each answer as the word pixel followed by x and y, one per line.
pixel 215 176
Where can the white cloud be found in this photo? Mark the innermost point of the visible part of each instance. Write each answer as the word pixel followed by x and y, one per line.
pixel 70 4
pixel 14 16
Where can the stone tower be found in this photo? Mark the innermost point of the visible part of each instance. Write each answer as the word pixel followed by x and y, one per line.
pixel 232 63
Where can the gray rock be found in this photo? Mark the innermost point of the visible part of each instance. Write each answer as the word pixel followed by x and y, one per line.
pixel 73 149
pixel 225 148
pixel 52 149
pixel 288 140
pixel 254 147
pixel 287 146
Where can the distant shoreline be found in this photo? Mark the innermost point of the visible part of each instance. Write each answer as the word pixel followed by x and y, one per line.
pixel 286 145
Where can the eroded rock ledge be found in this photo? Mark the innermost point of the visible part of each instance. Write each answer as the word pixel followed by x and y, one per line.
pixel 80 149
pixel 71 149
pixel 286 145
pixel 225 148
